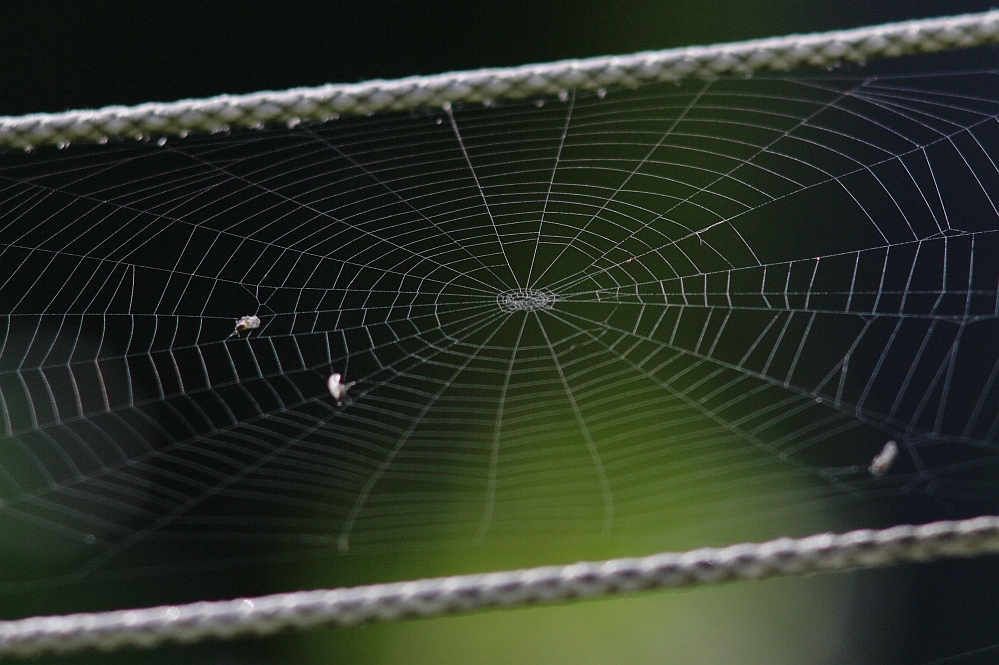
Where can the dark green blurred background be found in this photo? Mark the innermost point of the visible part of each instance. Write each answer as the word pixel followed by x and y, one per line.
pixel 64 55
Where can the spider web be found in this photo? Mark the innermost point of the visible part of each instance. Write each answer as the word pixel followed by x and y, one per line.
pixel 592 315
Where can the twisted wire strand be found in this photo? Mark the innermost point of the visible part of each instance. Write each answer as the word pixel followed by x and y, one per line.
pixel 329 101
pixel 465 593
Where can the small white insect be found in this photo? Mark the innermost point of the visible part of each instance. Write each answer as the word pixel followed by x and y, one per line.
pixel 883 460
pixel 338 389
pixel 251 322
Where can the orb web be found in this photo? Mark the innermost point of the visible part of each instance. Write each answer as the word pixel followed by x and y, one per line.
pixel 710 303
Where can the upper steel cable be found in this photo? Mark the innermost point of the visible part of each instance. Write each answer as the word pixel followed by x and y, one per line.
pixel 328 101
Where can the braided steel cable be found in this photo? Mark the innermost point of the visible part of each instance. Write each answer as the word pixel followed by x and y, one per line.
pixel 329 101
pixel 466 593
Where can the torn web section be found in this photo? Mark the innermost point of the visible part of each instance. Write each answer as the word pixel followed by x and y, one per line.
pixel 577 326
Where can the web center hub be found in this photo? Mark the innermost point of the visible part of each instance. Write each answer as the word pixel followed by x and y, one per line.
pixel 526 300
